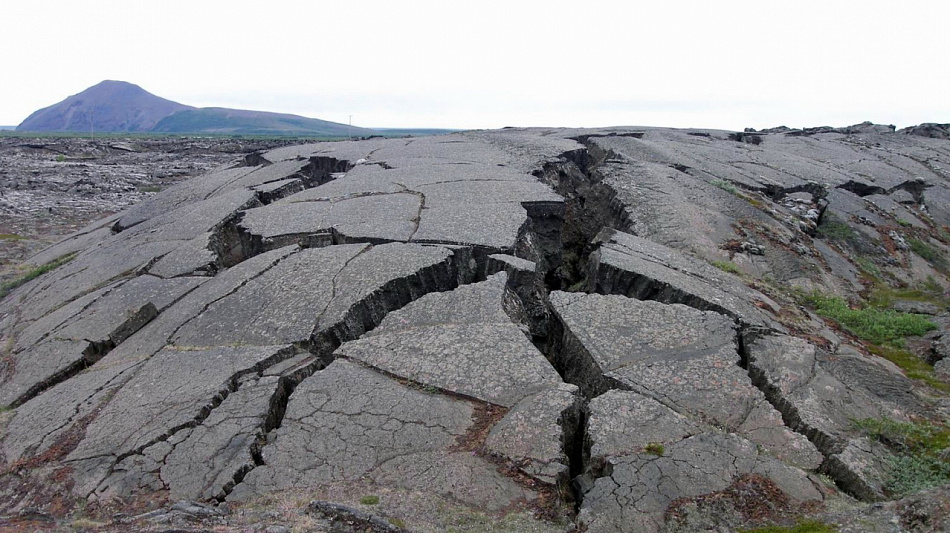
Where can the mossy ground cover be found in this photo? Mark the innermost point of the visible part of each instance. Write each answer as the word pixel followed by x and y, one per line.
pixel 919 461
pixel 870 323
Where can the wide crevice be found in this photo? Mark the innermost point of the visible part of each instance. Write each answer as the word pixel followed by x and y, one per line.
pixel 232 244
pixel 590 205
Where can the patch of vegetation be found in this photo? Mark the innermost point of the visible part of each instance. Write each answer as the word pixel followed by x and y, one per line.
pixel 913 366
pixel 148 188
pixel 918 464
pixel 868 267
pixel 654 448
pixel 11 237
pixel 372 499
pixel 834 229
pixel 805 526
pixel 884 296
pixel 30 275
pixel 927 252
pixel 726 266
pixel 397 522
pixel 725 185
pixel 870 323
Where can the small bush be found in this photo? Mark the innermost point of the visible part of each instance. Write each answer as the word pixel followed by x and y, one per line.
pixel 372 499
pixel 871 324
pixel 726 266
pixel 654 448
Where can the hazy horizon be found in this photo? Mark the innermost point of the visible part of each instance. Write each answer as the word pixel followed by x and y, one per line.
pixel 424 64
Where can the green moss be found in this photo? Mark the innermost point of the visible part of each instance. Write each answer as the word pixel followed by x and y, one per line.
pixel 805 526
pixel 372 499
pixel 7 287
pixel 870 323
pixel 726 266
pixel 11 237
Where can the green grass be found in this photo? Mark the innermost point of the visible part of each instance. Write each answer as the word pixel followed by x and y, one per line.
pixel 654 448
pixel 884 296
pixel 834 229
pixel 726 266
pixel 927 252
pixel 913 366
pixel 11 237
pixel 870 323
pixel 8 287
pixel 805 526
pixel 372 499
pixel 725 185
pixel 917 464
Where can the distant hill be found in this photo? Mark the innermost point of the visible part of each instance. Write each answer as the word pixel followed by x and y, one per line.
pixel 109 106
pixel 242 122
pixel 118 106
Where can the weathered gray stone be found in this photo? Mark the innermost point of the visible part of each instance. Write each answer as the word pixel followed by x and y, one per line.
pixel 538 431
pixel 624 423
pixel 684 358
pixel 458 341
pixel 639 488
pixel 821 396
pixel 350 423
pixel 48 352
pixel 631 266
pixel 184 387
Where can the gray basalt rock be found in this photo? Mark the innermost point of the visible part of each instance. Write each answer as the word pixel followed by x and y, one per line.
pixel 821 396
pixel 638 489
pixel 502 322
pixel 632 266
pixel 348 423
pixel 460 341
pixel 683 358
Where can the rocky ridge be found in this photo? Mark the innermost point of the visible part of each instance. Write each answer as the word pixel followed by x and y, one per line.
pixel 545 329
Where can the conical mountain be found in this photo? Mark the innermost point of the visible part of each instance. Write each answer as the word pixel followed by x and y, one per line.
pixel 106 106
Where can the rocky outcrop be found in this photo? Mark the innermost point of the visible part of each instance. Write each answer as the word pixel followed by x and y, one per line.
pixel 537 327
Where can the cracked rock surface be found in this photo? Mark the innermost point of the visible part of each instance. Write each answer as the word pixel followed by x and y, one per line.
pixel 512 330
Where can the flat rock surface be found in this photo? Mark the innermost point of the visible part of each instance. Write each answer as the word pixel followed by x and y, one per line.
pixel 458 341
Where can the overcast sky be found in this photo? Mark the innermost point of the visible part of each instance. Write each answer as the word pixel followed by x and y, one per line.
pixel 489 64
